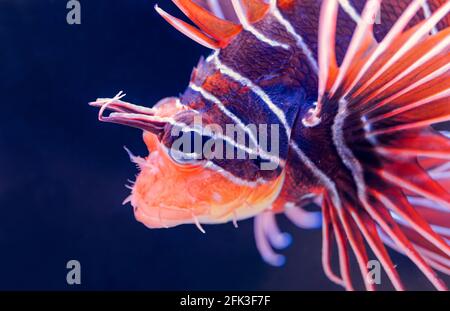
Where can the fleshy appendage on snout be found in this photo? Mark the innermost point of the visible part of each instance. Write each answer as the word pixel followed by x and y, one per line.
pixel 167 193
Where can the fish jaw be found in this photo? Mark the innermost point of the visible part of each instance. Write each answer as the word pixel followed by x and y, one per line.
pixel 167 194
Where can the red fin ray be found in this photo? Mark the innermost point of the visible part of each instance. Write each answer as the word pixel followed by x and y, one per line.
pixel 342 245
pixel 375 212
pixel 383 67
pixel 431 254
pixel 431 164
pixel 358 227
pixel 416 180
pixel 362 41
pixel 410 117
pixel 429 242
pixel 327 53
pixel 403 209
pixel 368 228
pixel 422 64
pixel 432 216
pixel 379 60
pixel 382 59
pixel 327 237
pixel 380 214
pixel 413 143
pixel 388 94
pixel 409 40
pixel 430 258
pixel 421 241
pixel 221 30
pixel 255 9
pixel 328 24
pixel 422 89
pixel 356 242
pixel 403 91
pixel 215 32
pixel 188 30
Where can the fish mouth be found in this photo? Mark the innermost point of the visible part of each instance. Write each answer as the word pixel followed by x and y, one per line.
pixel 167 193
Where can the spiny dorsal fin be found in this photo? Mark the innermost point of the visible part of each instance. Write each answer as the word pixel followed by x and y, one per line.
pixel 188 30
pixel 255 9
pixel 214 31
pixel 221 30
pixel 327 38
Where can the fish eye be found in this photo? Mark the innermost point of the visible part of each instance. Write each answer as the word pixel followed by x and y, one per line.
pixel 186 158
pixel 187 149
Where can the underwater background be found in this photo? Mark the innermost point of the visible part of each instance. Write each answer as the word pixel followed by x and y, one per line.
pixel 62 173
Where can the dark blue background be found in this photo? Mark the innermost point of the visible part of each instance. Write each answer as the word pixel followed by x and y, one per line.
pixel 62 173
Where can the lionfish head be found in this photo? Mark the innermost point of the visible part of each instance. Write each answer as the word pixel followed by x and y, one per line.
pixel 196 172
pixel 178 186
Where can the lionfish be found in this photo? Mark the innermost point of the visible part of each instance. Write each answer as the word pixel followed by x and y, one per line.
pixel 354 86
